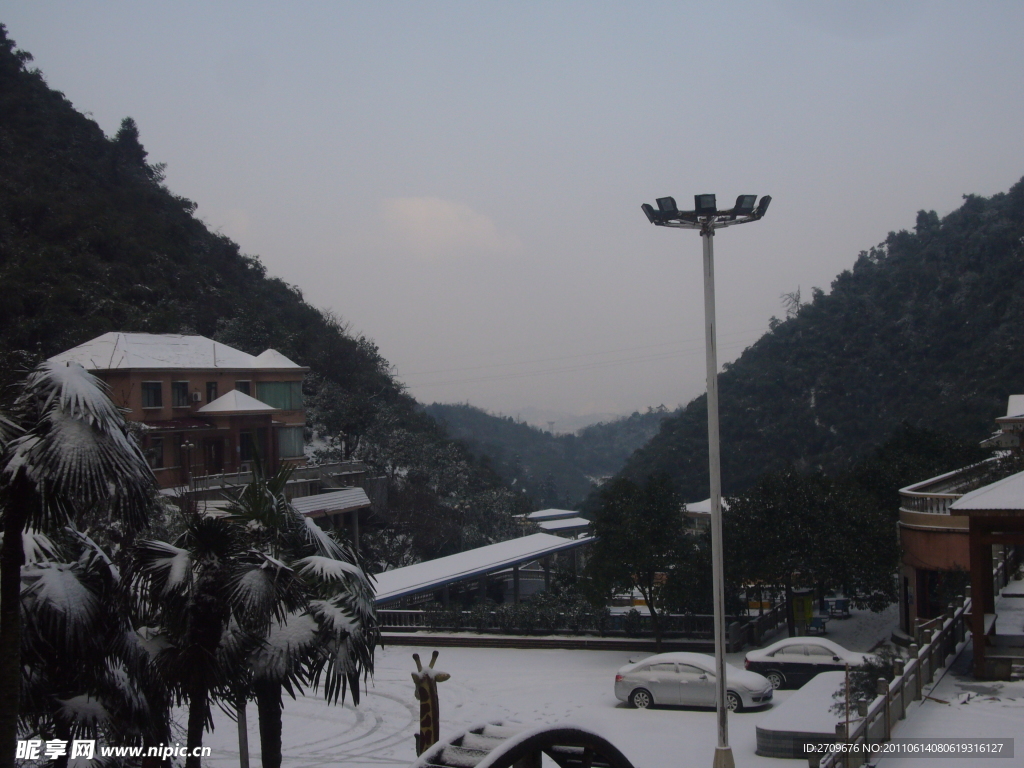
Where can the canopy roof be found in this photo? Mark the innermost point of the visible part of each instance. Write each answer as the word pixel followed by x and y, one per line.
pixel 322 504
pixel 567 523
pixel 155 351
pixel 474 563
pixel 550 514
pixel 1004 496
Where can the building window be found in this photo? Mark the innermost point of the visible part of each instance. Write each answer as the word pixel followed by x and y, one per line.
pixel 290 443
pixel 246 446
pixel 152 394
pixel 245 387
pixel 211 391
pixel 155 452
pixel 286 395
pixel 179 394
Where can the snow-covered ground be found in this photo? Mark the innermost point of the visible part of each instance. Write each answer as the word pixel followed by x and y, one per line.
pixel 958 706
pixel 529 686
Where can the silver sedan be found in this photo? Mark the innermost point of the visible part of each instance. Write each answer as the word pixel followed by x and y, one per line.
pixel 688 679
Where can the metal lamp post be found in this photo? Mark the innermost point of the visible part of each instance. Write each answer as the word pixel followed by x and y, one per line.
pixel 707 218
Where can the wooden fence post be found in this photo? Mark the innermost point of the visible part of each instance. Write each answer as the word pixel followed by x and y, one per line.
pixel 882 688
pixel 914 655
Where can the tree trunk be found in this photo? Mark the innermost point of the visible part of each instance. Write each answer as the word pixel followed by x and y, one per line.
pixel 63 732
pixel 12 557
pixel 243 733
pixel 196 724
pixel 268 703
pixel 790 618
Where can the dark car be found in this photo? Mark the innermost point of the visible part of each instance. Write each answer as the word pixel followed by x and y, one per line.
pixel 792 662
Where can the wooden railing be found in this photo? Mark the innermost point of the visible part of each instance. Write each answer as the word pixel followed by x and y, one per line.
pixel 876 721
pixel 741 630
pixel 935 641
pixel 928 503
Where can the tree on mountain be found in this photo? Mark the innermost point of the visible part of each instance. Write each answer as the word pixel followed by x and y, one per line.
pixel 65 450
pixel 639 544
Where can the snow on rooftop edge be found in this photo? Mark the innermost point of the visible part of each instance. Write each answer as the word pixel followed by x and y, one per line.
pixel 236 402
pixel 117 350
pixel 422 576
pixel 1005 494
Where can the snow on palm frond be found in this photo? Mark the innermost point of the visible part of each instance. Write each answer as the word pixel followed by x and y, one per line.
pixel 285 646
pixel 147 642
pixel 8 431
pixel 84 712
pixel 55 598
pixel 93 555
pixel 348 653
pixel 38 547
pixel 336 619
pixel 126 686
pixel 75 445
pixel 324 542
pixel 167 567
pixel 329 569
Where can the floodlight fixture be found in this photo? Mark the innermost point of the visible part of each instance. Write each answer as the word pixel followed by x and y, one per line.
pixel 704 205
pixel 744 205
pixel 653 216
pixel 762 206
pixel 667 205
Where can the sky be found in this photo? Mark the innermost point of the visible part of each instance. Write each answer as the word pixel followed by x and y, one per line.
pixel 462 181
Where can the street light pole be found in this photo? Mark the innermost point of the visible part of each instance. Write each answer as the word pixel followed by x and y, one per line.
pixel 723 752
pixel 707 218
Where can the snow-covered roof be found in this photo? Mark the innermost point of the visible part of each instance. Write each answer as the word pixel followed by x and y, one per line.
pixel 321 504
pixel 271 358
pixel 151 351
pixel 703 507
pixel 236 402
pixel 473 563
pixel 550 514
pixel 1006 495
pixel 1015 405
pixel 561 525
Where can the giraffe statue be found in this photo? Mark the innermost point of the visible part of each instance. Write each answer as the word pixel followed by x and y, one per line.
pixel 426 680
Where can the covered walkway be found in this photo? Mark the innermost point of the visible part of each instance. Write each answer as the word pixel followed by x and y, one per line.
pixel 474 564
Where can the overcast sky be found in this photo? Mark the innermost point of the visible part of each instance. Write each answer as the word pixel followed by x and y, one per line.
pixel 462 182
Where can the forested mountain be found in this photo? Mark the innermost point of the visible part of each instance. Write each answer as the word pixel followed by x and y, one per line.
pixel 927 328
pixel 555 470
pixel 92 241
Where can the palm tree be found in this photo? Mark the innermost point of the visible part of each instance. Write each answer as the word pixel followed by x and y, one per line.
pixel 64 449
pixel 193 590
pixel 84 674
pixel 326 631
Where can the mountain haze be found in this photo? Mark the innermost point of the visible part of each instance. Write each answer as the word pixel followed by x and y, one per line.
pixel 555 470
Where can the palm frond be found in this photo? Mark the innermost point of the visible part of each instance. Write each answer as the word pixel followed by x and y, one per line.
pixel 330 569
pixel 38 547
pixel 166 567
pixel 57 600
pixel 75 447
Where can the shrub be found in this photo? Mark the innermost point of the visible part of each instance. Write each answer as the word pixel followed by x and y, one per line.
pixel 632 623
pixel 480 616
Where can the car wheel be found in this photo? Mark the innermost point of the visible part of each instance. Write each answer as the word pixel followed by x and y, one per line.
pixel 733 702
pixel 640 699
pixel 775 679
